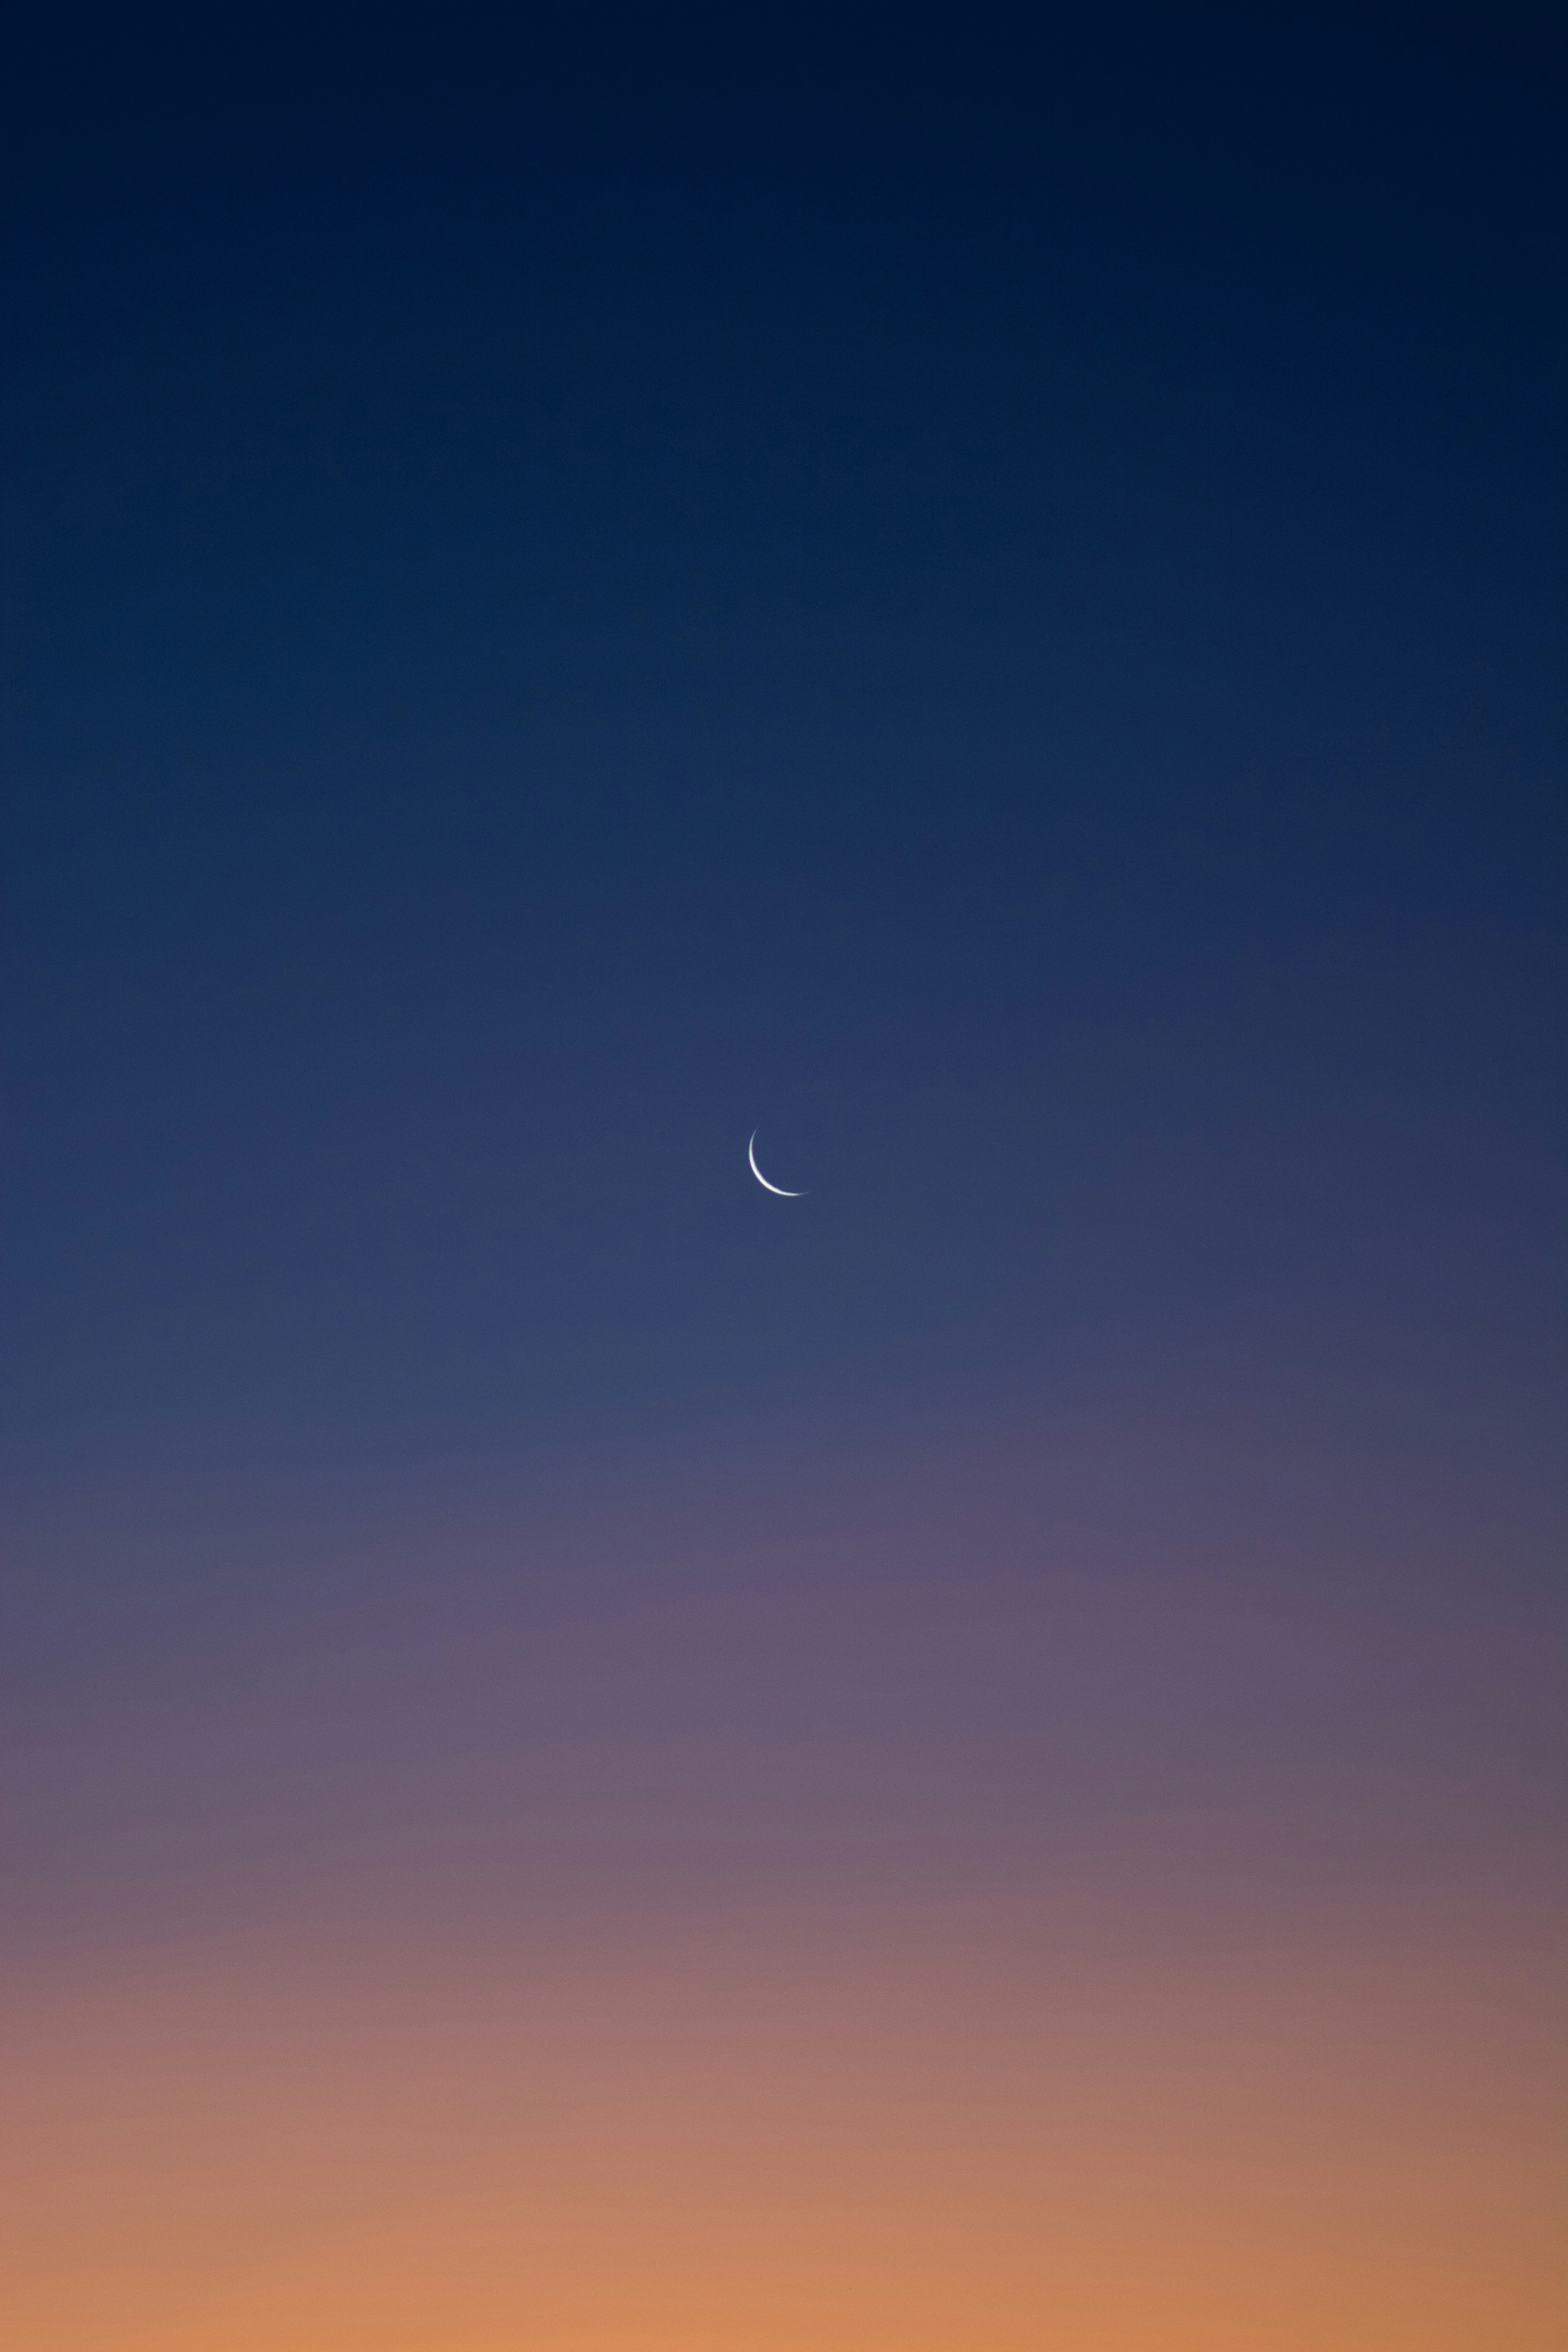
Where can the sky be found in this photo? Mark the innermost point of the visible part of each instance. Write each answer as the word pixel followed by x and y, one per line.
pixel 972 1760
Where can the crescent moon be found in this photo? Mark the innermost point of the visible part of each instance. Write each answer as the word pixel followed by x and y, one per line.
pixel 751 1156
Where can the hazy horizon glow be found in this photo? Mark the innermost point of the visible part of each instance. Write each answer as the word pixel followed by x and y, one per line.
pixel 1080 1868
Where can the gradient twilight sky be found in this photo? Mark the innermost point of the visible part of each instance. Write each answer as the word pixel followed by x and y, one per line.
pixel 596 1760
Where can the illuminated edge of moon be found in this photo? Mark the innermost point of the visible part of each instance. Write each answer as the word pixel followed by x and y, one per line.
pixel 751 1156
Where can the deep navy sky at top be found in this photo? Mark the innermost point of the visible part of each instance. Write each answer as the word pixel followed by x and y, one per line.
pixel 984 598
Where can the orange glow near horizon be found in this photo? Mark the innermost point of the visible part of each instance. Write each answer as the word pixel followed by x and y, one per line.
pixel 919 1925
pixel 857 2133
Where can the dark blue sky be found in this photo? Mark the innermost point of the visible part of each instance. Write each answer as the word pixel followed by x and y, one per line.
pixel 986 598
